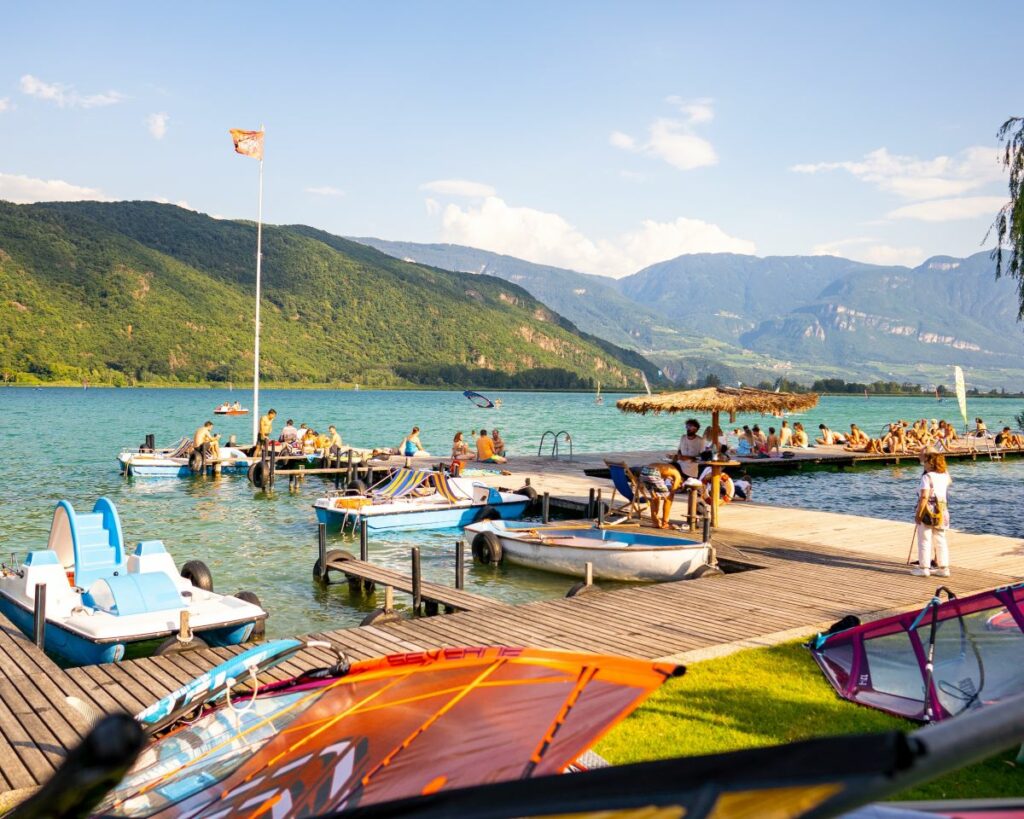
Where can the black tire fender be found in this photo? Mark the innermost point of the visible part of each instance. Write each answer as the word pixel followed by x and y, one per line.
pixel 333 556
pixel 196 462
pixel 172 645
pixel 379 617
pixel 255 474
pixel 531 493
pixel 580 588
pixel 489 513
pixel 487 548
pixel 260 629
pixel 198 574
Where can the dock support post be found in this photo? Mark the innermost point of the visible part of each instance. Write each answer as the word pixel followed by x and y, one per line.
pixel 321 544
pixel 364 543
pixel 588 577
pixel 264 467
pixel 273 464
pixel 460 562
pixel 590 504
pixel 39 616
pixel 389 599
pixel 416 580
pixel 706 534
pixel 600 510
pixel 545 507
pixel 350 472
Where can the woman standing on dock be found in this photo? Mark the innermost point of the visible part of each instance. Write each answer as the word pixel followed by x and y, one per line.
pixel 932 516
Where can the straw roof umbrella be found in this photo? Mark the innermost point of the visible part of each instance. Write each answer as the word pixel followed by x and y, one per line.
pixel 717 400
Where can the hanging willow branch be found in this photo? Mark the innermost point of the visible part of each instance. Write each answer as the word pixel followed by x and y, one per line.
pixel 1009 223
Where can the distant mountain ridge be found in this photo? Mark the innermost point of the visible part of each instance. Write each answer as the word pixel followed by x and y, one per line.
pixel 801 316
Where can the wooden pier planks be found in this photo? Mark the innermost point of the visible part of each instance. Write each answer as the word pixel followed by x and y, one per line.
pixel 813 568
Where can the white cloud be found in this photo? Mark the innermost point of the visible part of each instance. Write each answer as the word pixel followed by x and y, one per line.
pixel 157 125
pixel 672 139
pixel 325 190
pixel 432 205
pixel 65 96
pixel 458 187
pixel 23 190
pixel 950 210
pixel 548 238
pixel 865 249
pixel 914 178
pixel 5 104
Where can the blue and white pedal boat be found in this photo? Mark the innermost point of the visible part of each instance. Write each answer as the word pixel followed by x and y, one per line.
pixel 615 552
pixel 100 599
pixel 419 499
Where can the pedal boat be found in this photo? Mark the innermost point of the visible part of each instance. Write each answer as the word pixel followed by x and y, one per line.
pixel 99 600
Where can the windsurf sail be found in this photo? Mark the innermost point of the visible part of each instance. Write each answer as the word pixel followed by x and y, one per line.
pixel 952 656
pixel 647 386
pixel 481 401
pixel 961 392
pixel 391 728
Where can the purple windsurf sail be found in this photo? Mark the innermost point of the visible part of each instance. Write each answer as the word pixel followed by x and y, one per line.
pixel 952 656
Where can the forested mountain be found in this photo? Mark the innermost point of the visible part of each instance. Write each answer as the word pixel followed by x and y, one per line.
pixel 144 292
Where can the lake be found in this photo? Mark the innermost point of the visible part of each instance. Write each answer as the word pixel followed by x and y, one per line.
pixel 62 443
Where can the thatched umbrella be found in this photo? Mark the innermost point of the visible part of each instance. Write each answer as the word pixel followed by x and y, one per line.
pixel 717 400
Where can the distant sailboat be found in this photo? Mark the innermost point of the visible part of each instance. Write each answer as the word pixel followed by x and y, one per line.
pixel 937 396
pixel 598 399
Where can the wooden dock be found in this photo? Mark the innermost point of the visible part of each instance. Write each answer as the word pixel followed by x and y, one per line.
pixel 825 567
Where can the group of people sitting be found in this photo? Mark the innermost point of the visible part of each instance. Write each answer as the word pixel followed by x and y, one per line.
pixel 304 440
pixel 490 449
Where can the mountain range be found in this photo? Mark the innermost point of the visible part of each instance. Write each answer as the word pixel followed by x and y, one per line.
pixel 803 317
pixel 140 292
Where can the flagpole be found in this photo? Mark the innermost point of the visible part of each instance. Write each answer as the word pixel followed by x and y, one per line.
pixel 256 346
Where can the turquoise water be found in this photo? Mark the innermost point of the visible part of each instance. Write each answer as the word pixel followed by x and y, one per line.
pixel 62 443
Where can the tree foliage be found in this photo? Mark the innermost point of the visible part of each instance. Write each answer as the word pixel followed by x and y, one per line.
pixel 1009 223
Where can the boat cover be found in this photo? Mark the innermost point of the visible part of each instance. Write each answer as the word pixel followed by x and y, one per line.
pixel 391 728
pixel 977 645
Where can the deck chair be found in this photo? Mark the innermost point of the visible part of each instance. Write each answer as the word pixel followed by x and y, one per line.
pixel 401 482
pixel 626 483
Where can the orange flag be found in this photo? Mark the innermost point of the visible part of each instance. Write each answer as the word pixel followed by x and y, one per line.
pixel 248 143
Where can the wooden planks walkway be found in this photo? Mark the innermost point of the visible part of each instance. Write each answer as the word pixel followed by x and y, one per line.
pixel 825 567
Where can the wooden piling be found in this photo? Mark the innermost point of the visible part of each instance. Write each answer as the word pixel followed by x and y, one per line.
pixel 417 580
pixel 321 543
pixel 460 562
pixel 364 543
pixel 545 507
pixel 39 616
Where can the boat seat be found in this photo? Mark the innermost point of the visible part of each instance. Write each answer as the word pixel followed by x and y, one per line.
pixel 128 594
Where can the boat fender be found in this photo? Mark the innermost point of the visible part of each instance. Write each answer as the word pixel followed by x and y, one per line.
pixel 358 485
pixel 848 622
pixel 704 571
pixel 196 462
pixel 198 574
pixel 255 474
pixel 259 631
pixel 333 556
pixel 530 492
pixel 489 513
pixel 487 548
pixel 380 616
pixel 580 589
pixel 172 645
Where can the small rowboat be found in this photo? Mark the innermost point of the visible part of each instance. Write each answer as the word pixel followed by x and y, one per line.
pixel 230 409
pixel 617 553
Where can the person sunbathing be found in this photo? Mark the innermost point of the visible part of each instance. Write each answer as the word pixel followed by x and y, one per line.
pixel 856 440
pixel 827 438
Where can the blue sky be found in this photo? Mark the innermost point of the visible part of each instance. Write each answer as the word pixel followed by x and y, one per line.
pixel 599 136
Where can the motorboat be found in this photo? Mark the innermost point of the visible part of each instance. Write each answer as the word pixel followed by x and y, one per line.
pixel 421 499
pixel 626 553
pixel 230 409
pixel 180 462
pixel 99 598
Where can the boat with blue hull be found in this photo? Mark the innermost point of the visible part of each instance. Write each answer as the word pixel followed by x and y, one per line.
pixel 99 599
pixel 418 499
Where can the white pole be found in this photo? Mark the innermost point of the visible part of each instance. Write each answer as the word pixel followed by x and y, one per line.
pixel 256 346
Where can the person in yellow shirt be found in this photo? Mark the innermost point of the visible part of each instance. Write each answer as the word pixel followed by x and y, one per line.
pixel 485 449
pixel 266 429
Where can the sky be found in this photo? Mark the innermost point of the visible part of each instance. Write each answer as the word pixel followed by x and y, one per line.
pixel 601 137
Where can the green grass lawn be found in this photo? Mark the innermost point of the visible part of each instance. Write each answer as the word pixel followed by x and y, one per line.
pixel 769 696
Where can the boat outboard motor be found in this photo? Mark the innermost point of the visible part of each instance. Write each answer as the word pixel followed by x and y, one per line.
pixel 150 444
